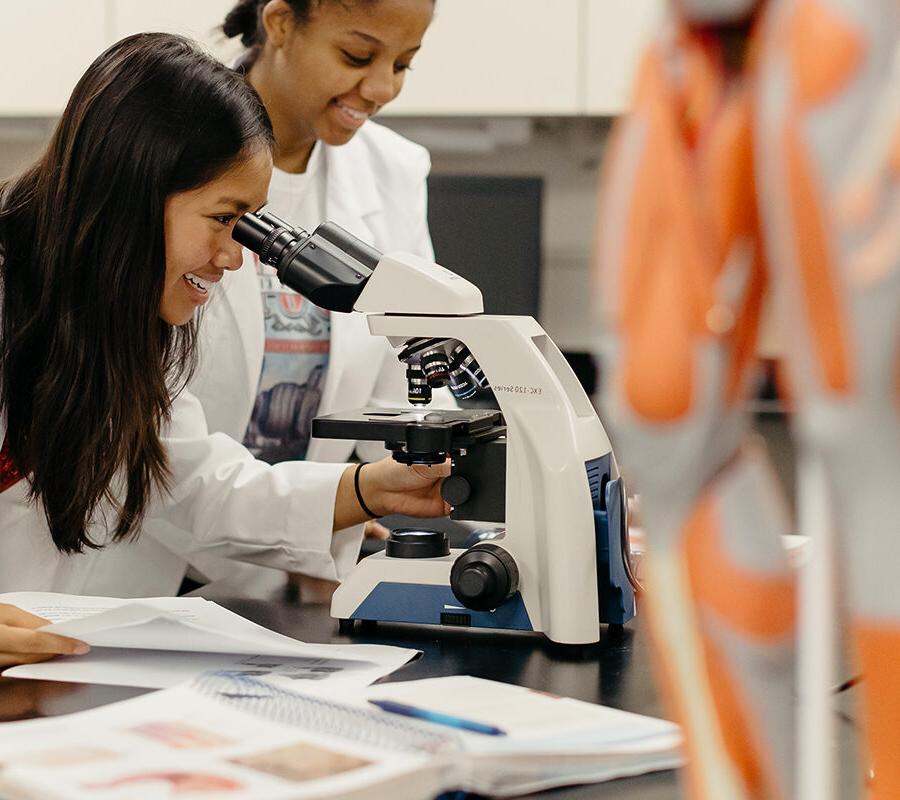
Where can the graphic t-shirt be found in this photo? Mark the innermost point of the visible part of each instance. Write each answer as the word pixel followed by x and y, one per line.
pixel 298 333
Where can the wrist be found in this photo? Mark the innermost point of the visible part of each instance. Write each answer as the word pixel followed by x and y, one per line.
pixel 363 488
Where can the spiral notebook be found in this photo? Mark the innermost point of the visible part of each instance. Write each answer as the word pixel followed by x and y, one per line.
pixel 235 736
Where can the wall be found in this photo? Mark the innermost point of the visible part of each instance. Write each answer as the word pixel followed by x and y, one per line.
pixel 563 151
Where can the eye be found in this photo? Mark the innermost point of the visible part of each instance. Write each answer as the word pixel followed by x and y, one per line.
pixel 402 67
pixel 356 61
pixel 223 219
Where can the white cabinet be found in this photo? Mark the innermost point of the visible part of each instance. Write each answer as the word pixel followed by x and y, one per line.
pixel 615 33
pixel 199 19
pixel 529 57
pixel 480 57
pixel 496 57
pixel 46 47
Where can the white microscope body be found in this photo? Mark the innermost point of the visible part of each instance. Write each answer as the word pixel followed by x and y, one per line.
pixel 553 435
pixel 541 465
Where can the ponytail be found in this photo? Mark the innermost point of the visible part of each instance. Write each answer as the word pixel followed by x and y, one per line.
pixel 245 20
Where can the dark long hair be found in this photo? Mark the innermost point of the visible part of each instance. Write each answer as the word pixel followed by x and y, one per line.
pixel 87 367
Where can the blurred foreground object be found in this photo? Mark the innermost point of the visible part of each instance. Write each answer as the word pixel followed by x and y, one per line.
pixel 763 146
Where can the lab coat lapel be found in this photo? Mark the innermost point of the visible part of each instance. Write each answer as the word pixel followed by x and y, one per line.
pixel 250 325
pixel 353 202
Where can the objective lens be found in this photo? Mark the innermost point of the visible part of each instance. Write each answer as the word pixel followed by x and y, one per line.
pixel 436 367
pixel 418 392
pixel 462 383
pixel 461 358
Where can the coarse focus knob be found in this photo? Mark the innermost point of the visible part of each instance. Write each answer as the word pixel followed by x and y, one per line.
pixel 484 577
pixel 456 490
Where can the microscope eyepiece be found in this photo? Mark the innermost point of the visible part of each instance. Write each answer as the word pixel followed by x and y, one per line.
pixel 329 266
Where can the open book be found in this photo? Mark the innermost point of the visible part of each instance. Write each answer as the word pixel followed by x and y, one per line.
pixel 238 737
pixel 157 642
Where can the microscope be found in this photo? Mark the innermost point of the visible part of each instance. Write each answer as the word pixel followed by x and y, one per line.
pixel 540 464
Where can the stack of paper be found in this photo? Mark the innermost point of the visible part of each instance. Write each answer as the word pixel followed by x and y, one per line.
pixel 161 641
pixel 236 737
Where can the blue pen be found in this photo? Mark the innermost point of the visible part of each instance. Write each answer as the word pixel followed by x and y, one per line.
pixel 437 717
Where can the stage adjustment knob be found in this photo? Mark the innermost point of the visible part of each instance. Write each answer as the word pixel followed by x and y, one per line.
pixel 456 490
pixel 484 577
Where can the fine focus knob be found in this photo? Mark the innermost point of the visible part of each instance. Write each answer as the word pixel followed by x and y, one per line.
pixel 456 490
pixel 484 577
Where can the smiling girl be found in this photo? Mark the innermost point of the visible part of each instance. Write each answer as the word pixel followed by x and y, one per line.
pixel 270 361
pixel 109 244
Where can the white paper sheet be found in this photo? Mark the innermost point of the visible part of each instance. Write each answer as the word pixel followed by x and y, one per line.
pixel 178 743
pixel 548 721
pixel 158 642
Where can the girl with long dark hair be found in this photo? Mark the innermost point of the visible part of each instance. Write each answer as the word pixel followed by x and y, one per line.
pixel 109 245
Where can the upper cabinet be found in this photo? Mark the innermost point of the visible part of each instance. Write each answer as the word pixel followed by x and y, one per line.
pixel 479 58
pixel 529 57
pixel 46 48
pixel 496 57
pixel 199 19
pixel 616 32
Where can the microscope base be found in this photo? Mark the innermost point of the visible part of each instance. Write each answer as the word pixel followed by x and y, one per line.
pixel 383 589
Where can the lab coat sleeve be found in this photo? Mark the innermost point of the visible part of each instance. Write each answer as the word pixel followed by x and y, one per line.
pixel 235 506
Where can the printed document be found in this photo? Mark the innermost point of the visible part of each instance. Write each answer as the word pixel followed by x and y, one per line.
pixel 235 736
pixel 162 641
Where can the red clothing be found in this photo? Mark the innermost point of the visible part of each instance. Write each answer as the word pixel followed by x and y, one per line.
pixel 9 472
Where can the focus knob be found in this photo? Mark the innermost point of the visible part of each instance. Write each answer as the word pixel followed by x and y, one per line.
pixel 456 490
pixel 484 577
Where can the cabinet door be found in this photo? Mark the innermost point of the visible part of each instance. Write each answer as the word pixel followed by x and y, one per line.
pixel 615 34
pixel 198 19
pixel 496 57
pixel 46 48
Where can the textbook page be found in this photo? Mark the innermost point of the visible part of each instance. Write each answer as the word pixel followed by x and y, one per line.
pixel 205 735
pixel 159 642
pixel 548 740
pixel 179 742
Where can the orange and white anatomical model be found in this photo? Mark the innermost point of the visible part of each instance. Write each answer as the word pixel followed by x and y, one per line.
pixel 762 151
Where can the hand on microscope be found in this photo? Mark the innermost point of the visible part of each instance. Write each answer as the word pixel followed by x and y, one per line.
pixel 388 487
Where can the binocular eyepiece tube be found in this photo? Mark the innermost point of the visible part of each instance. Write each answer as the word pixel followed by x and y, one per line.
pixel 329 266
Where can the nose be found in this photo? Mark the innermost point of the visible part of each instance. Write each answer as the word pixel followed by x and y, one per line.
pixel 230 254
pixel 381 83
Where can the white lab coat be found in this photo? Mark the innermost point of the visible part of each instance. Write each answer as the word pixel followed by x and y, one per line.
pixel 225 503
pixel 376 190
pixel 216 486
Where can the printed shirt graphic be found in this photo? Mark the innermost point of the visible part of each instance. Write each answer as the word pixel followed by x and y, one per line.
pixel 298 333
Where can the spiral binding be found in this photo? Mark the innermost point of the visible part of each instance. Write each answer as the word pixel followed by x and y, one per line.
pixel 324 716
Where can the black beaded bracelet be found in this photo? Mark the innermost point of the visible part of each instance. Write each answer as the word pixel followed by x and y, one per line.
pixel 359 497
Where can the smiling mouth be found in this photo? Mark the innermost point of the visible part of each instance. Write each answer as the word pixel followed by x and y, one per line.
pixel 359 116
pixel 200 284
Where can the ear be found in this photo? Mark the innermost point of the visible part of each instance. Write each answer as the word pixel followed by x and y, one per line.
pixel 278 22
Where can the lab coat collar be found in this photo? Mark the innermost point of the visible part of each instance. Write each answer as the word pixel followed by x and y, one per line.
pixel 352 193
pixel 352 201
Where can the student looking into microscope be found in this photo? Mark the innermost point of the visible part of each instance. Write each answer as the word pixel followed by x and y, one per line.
pixel 109 245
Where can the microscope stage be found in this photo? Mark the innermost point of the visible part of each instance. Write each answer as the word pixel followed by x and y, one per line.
pixel 394 424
